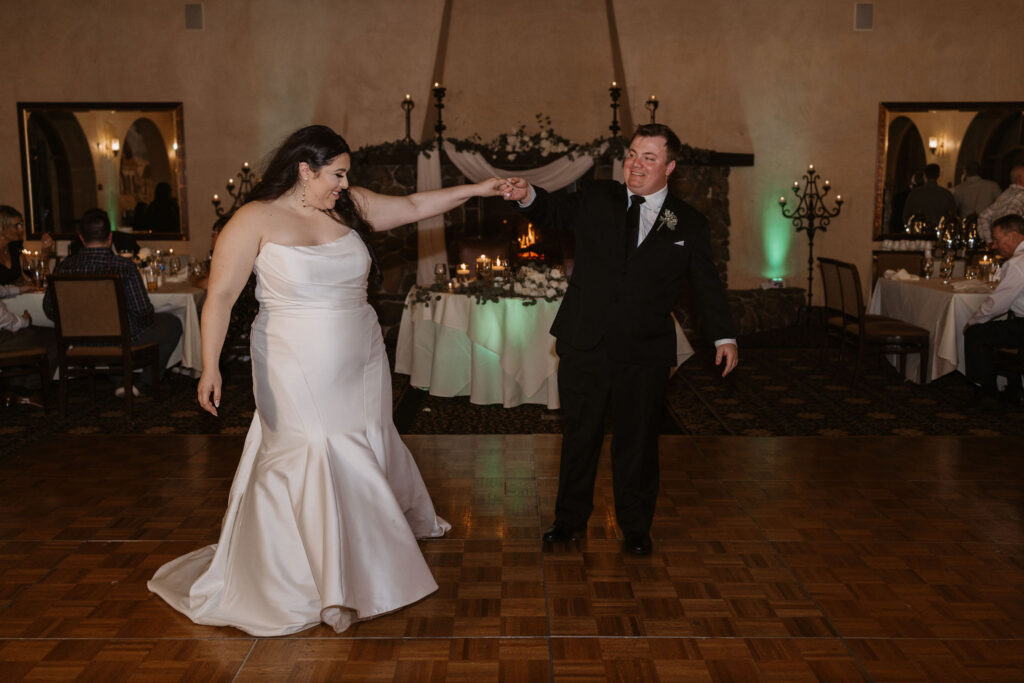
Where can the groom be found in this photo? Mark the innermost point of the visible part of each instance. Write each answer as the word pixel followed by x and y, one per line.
pixel 635 245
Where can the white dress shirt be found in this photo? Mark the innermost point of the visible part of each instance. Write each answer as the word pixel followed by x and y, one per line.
pixel 1008 295
pixel 8 320
pixel 1010 201
pixel 649 211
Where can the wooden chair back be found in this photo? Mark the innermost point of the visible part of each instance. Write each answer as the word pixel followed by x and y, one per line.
pixel 90 309
pixel 91 322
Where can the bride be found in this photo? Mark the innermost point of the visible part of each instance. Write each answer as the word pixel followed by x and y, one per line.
pixel 327 503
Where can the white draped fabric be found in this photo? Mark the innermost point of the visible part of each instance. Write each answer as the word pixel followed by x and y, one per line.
pixel 551 177
pixel 430 246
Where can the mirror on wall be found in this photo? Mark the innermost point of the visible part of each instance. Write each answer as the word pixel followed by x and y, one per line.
pixel 912 135
pixel 126 158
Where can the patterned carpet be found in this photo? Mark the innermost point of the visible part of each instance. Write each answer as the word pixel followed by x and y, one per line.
pixel 778 390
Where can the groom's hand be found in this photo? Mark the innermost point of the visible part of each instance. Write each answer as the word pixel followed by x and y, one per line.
pixel 516 189
pixel 730 354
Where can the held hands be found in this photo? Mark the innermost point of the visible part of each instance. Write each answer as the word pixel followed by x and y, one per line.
pixel 731 354
pixel 492 187
pixel 516 189
pixel 209 383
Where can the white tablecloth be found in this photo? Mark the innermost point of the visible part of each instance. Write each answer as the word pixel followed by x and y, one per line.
pixel 181 299
pixel 937 308
pixel 493 352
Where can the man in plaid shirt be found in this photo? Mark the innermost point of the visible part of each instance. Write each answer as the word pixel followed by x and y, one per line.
pixel 97 257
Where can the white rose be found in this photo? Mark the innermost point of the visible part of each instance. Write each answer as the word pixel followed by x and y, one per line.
pixel 145 253
pixel 550 292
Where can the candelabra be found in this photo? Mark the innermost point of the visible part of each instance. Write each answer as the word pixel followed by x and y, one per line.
pixel 652 106
pixel 811 215
pixel 615 92
pixel 439 92
pixel 237 191
pixel 407 106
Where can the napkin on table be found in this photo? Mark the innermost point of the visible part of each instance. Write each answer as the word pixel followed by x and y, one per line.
pixel 900 274
pixel 970 286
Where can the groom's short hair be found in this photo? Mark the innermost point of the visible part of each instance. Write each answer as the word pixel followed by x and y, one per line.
pixel 673 147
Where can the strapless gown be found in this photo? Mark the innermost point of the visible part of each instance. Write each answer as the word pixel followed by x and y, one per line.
pixel 327 502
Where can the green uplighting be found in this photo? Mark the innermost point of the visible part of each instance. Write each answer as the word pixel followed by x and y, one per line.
pixel 776 236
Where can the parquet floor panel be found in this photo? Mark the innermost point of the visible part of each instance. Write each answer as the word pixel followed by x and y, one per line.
pixel 775 559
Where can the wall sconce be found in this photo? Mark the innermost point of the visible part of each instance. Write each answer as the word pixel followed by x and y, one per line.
pixel 110 148
pixel 936 146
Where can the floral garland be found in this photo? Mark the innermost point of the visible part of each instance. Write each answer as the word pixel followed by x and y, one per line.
pixel 523 149
pixel 531 282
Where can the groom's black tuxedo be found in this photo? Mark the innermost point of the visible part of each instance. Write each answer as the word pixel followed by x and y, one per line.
pixel 616 339
pixel 626 303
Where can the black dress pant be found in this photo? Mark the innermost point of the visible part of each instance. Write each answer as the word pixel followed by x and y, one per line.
pixel 588 384
pixel 165 333
pixel 981 342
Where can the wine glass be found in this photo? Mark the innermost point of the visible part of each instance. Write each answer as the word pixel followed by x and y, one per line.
pixel 440 273
pixel 926 267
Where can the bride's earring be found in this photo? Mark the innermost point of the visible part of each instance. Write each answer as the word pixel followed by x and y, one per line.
pixel 305 182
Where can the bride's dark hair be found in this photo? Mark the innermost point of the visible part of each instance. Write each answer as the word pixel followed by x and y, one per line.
pixel 317 146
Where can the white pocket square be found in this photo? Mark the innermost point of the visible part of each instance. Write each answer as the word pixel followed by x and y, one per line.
pixel 679 243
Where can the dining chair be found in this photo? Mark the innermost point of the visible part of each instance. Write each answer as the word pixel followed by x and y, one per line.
pixel 91 322
pixel 851 324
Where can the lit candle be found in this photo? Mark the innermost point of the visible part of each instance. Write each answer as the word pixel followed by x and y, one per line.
pixel 498 264
pixel 839 199
pixel 796 184
pixel 408 96
pixel 782 201
pixel 245 165
pixel 216 197
pixel 436 84
pixel 652 98
pixel 463 269
pixel 613 84
pixel 171 252
pixel 811 167
pixel 231 182
pixel 827 184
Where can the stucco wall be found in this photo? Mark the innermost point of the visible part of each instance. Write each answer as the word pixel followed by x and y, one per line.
pixel 789 80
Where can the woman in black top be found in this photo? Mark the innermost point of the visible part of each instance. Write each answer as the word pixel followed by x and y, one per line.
pixel 12 235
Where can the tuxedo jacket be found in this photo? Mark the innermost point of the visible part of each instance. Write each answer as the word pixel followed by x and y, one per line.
pixel 626 303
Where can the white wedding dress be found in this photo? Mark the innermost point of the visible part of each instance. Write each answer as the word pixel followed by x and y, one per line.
pixel 327 503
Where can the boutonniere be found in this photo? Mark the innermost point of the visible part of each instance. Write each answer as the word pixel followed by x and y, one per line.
pixel 667 220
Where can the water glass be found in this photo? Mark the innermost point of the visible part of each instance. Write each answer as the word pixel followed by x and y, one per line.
pixel 440 273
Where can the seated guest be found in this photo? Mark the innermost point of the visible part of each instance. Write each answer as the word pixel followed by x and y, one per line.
pixel 12 236
pixel 163 215
pixel 1010 201
pixel 974 194
pixel 983 334
pixel 96 256
pixel 932 201
pixel 18 333
pixel 121 242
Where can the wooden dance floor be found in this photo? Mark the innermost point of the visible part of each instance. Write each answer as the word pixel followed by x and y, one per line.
pixel 782 559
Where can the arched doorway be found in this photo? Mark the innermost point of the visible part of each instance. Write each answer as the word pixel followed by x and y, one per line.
pixel 61 172
pixel 905 158
pixel 144 165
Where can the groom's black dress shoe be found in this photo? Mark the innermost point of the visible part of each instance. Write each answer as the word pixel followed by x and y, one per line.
pixel 637 543
pixel 558 533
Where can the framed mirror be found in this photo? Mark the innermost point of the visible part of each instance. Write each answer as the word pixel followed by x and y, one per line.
pixel 912 135
pixel 126 158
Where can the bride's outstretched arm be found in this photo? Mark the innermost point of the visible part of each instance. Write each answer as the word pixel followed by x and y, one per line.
pixel 385 212
pixel 233 258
